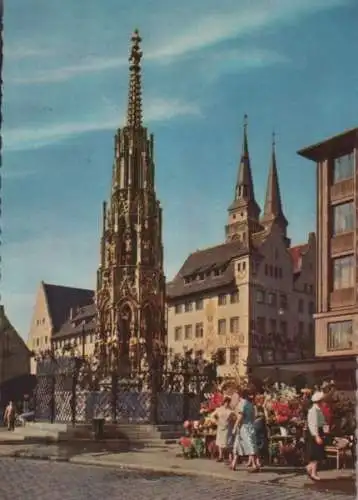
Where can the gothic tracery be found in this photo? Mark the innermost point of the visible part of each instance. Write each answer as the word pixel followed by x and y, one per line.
pixel 131 283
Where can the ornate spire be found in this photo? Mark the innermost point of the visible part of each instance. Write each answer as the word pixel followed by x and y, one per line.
pixel 273 205
pixel 244 191
pixel 134 112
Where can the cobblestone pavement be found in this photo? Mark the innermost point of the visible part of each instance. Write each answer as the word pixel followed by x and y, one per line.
pixel 31 480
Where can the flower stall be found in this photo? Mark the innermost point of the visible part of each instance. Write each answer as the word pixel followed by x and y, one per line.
pixel 285 412
pixel 199 435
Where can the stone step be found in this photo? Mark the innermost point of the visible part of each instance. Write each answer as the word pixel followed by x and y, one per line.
pixel 169 427
pixel 153 443
pixel 47 426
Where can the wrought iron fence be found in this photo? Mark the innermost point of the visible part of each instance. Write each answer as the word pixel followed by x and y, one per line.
pixel 157 397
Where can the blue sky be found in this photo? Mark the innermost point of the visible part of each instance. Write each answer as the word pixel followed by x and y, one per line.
pixel 289 64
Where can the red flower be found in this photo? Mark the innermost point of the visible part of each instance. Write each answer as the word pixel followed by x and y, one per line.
pixel 185 442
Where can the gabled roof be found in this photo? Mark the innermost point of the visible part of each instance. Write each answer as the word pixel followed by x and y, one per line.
pixel 205 263
pixel 296 254
pixel 82 321
pixel 61 299
pixel 7 327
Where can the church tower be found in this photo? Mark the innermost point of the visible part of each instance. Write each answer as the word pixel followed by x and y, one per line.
pixel 273 212
pixel 130 280
pixel 244 212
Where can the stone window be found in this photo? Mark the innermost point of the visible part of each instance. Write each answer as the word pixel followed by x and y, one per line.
pixel 343 218
pixel 260 296
pixel 343 168
pixel 300 305
pixel 188 306
pixel 178 332
pixel 234 356
pixel 199 330
pixel 221 357
pixel 272 299
pixel 311 308
pixel 178 308
pixel 343 272
pixel 301 328
pixel 222 326
pixel 340 336
pixel 261 325
pixel 234 325
pixel 199 304
pixel 283 328
pixel 222 299
pixel 188 332
pixel 234 297
pixel 283 301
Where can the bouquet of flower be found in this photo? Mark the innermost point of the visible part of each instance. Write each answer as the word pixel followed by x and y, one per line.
pixel 187 447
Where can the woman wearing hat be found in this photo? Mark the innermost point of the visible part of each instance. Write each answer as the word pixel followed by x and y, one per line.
pixel 315 435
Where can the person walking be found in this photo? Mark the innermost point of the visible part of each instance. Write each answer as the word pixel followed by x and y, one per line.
pixel 315 436
pixel 245 442
pixel 9 416
pixel 223 416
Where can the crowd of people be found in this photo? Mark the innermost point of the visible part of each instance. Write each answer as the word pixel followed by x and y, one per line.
pixel 242 421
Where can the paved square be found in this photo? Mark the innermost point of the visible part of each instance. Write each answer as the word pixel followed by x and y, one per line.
pixel 33 480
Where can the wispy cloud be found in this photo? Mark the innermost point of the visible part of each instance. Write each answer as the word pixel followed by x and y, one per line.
pixel 220 62
pixel 156 110
pixel 25 52
pixel 189 34
pixel 240 19
pixel 62 74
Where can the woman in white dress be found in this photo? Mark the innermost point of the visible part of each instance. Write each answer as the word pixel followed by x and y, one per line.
pixel 224 417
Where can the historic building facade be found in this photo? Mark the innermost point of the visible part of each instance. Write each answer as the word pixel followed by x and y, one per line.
pixel 55 305
pixel 337 244
pixel 251 298
pixel 14 355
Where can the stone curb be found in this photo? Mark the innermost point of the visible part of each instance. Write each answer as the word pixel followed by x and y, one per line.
pixel 178 471
pixel 33 456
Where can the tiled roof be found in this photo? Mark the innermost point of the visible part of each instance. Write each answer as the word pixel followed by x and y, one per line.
pixel 202 265
pixel 83 320
pixel 61 299
pixel 296 254
pixel 6 327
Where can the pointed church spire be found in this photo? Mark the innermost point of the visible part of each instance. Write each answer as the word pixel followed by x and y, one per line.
pixel 273 205
pixel 244 191
pixel 134 111
pixel 244 212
